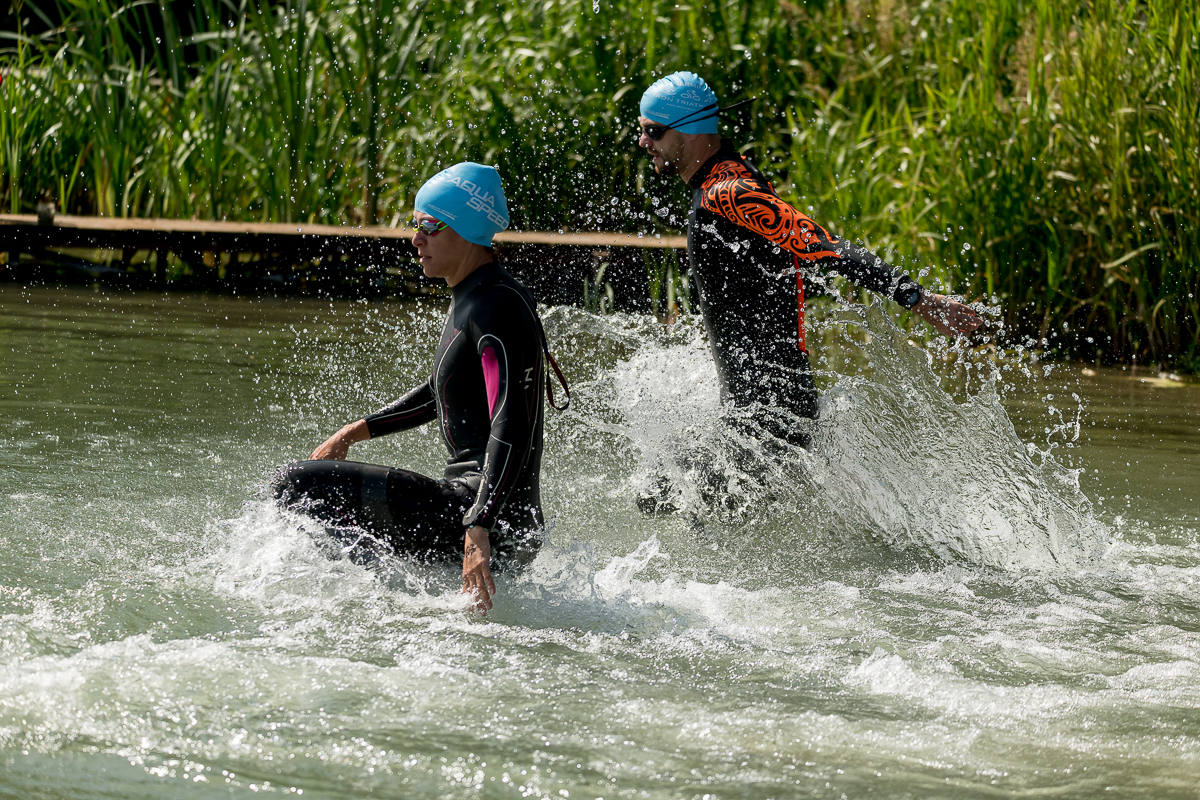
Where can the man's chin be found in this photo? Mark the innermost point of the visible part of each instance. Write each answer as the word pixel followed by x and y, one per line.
pixel 664 167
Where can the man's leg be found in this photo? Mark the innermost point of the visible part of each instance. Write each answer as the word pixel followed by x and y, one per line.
pixel 785 410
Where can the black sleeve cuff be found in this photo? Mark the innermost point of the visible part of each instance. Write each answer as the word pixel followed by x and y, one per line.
pixel 908 293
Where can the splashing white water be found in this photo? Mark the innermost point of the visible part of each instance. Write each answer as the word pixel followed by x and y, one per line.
pixel 894 458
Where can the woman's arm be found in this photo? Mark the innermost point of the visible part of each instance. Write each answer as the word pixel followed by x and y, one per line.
pixel 511 356
pixel 337 446
pixel 414 408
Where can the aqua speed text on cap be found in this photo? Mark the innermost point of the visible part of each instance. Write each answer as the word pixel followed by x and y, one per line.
pixel 469 198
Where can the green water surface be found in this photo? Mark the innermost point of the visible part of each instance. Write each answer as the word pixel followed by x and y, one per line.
pixel 164 632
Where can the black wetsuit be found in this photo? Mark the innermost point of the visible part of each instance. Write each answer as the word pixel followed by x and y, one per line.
pixel 748 251
pixel 486 393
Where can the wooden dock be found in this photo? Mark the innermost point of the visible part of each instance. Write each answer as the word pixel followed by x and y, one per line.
pixel 283 257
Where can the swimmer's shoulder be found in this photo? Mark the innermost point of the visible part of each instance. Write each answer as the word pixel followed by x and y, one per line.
pixel 506 299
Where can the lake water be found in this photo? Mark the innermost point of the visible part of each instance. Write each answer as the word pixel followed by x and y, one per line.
pixel 963 589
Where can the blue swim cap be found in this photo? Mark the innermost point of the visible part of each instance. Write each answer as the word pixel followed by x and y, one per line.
pixel 469 198
pixel 679 96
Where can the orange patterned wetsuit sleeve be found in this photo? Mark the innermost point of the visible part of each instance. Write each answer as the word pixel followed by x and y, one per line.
pixel 733 192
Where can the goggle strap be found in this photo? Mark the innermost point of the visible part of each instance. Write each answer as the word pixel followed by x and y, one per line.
pixel 717 113
pixel 687 117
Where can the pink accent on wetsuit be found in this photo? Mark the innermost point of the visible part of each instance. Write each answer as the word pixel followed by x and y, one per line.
pixel 491 378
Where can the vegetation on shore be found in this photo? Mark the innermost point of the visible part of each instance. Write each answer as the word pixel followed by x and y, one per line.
pixel 1040 154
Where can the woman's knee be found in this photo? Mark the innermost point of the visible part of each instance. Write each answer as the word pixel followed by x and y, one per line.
pixel 308 480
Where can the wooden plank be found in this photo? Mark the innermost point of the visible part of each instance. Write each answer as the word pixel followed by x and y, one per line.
pixel 598 239
pixel 134 226
pixel 193 226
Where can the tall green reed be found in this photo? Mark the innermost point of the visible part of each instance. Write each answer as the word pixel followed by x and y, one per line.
pixel 22 122
pixel 370 53
pixel 109 95
pixel 1039 154
pixel 16 126
pixel 206 160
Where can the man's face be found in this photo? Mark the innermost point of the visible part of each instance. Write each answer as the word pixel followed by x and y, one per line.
pixel 667 152
pixel 442 253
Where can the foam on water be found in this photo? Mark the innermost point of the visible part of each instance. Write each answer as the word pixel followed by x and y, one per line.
pixel 918 605
pixel 894 456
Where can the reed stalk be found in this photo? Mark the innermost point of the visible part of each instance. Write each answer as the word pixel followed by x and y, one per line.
pixel 1037 154
pixel 20 117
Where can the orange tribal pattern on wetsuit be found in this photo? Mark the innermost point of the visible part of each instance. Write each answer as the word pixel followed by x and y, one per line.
pixel 734 193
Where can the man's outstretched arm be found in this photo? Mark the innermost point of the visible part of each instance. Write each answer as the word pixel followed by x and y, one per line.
pixel 864 268
pixel 747 202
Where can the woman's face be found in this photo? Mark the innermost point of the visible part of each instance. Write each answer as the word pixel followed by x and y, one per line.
pixel 442 254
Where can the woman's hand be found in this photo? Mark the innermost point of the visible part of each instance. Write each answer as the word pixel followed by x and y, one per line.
pixel 949 317
pixel 336 446
pixel 477 568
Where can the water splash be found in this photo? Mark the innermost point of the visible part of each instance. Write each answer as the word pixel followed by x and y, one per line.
pixel 895 458
pixel 160 638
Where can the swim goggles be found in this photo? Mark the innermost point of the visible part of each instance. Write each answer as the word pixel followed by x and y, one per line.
pixel 430 227
pixel 656 132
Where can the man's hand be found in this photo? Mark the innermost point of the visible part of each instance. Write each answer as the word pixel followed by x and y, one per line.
pixel 949 317
pixel 336 446
pixel 477 568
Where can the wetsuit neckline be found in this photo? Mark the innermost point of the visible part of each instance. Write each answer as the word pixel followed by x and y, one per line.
pixel 727 152
pixel 469 283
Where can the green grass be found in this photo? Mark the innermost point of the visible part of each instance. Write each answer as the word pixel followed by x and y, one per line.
pixel 1043 156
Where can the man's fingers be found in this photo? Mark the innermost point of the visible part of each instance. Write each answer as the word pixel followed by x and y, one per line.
pixel 951 317
pixel 967 319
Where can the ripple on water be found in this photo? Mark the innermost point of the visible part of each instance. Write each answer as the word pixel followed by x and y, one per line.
pixel 919 605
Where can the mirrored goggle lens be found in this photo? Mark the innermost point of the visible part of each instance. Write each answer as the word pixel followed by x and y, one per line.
pixel 655 132
pixel 429 226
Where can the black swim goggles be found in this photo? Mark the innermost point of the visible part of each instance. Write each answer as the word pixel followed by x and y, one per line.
pixel 656 132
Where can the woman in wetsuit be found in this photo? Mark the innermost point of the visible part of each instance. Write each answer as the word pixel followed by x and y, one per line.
pixel 485 392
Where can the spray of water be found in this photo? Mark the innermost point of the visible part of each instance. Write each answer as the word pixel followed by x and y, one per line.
pixel 896 460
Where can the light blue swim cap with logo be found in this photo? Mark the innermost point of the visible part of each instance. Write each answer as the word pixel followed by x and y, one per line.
pixel 681 96
pixel 469 198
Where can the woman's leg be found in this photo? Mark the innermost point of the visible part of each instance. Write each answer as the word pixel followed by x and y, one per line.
pixel 409 513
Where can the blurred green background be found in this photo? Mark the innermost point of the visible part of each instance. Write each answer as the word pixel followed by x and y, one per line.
pixel 1043 156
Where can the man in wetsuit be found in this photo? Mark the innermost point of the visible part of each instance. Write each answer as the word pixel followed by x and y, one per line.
pixel 749 251
pixel 485 392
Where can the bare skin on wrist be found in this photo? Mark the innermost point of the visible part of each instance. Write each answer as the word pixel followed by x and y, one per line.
pixel 477 568
pixel 947 316
pixel 337 446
